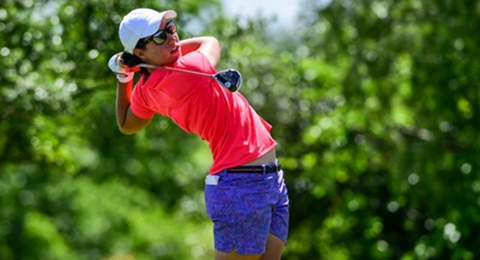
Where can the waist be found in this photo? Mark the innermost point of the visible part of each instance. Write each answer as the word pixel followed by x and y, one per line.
pixel 241 155
pixel 263 165
pixel 269 157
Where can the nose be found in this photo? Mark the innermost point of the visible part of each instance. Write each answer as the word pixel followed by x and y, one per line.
pixel 171 38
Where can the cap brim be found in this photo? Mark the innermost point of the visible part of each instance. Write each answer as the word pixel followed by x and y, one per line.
pixel 154 23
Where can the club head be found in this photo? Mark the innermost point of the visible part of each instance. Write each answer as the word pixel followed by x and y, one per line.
pixel 230 79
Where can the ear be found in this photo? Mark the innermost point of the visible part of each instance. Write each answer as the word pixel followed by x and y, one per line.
pixel 139 53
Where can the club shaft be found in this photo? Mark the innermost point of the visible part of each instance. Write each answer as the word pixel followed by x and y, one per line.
pixel 143 65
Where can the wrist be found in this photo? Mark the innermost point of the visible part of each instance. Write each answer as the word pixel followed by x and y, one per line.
pixel 125 77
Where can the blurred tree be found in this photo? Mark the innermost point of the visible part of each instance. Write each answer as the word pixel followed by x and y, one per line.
pixel 374 104
pixel 72 186
pixel 388 149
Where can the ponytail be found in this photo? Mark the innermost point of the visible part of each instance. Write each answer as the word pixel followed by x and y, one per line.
pixel 132 60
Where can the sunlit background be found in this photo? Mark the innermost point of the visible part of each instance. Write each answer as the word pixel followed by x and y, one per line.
pixel 374 105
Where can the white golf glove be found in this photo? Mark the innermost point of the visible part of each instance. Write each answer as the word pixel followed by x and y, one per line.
pixel 123 75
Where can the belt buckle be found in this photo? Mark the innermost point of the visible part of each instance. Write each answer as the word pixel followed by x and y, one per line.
pixel 270 168
pixel 278 168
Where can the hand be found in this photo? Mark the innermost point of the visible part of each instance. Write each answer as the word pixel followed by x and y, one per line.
pixel 123 73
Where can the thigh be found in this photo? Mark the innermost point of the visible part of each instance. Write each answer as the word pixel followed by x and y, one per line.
pixel 241 212
pixel 280 214
pixel 274 251
pixel 275 247
pixel 234 256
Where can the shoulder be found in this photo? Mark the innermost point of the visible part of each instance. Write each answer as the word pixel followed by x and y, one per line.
pixel 196 61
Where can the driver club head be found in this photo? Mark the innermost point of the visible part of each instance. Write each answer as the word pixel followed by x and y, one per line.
pixel 230 79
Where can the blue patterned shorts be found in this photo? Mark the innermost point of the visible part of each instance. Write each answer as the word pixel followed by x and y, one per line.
pixel 245 208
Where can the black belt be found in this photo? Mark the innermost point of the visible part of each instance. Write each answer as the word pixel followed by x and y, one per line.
pixel 263 169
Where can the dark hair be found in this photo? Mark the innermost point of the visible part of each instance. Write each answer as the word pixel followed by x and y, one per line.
pixel 131 60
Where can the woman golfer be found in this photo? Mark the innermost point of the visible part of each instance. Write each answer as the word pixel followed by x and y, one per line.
pixel 245 193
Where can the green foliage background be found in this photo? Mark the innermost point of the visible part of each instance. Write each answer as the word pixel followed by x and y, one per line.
pixel 374 105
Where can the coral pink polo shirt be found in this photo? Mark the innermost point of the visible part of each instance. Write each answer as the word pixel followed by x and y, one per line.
pixel 235 132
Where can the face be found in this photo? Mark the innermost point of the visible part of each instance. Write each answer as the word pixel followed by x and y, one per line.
pixel 161 48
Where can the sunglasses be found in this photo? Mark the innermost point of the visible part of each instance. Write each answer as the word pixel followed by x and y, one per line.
pixel 161 36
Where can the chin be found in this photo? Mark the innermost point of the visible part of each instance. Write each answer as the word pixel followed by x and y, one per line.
pixel 176 56
pixel 170 61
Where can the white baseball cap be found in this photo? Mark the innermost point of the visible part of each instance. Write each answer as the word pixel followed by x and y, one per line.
pixel 140 23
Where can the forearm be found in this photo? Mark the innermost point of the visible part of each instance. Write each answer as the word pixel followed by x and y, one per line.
pixel 128 123
pixel 191 44
pixel 208 45
pixel 124 96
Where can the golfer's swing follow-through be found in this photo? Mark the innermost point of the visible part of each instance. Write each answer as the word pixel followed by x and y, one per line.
pixel 245 194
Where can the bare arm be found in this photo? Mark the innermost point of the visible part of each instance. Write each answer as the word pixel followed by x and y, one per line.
pixel 208 45
pixel 128 123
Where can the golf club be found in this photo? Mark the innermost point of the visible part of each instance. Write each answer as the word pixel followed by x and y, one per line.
pixel 230 79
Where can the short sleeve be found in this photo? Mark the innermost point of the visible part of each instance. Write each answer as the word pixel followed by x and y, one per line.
pixel 196 61
pixel 138 103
